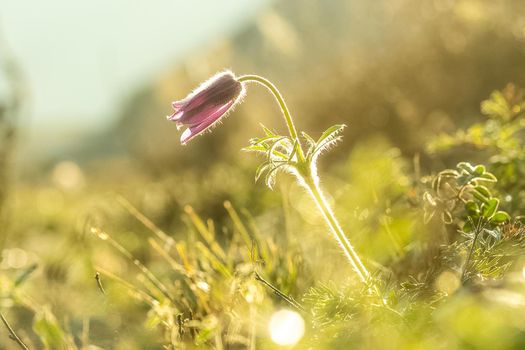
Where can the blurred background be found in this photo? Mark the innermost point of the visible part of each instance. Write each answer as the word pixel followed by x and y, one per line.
pixel 85 88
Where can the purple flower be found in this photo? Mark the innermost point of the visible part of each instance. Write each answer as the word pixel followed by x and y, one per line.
pixel 207 104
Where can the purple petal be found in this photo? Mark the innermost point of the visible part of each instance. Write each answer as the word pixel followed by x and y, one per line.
pixel 198 128
pixel 219 88
pixel 207 104
pixel 175 116
pixel 177 105
pixel 216 92
pixel 195 117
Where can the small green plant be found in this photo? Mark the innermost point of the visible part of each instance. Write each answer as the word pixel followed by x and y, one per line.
pixel 463 189
pixel 498 140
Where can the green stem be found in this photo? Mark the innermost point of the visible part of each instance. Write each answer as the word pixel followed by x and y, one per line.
pixel 280 100
pixel 478 229
pixel 336 229
pixel 290 300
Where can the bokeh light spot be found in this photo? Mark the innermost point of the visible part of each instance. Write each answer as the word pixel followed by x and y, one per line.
pixel 286 327
pixel 447 282
pixel 68 176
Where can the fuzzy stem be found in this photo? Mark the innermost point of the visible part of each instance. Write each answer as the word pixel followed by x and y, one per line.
pixel 335 227
pixel 280 100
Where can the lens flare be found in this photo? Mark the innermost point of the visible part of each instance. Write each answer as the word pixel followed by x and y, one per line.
pixel 286 327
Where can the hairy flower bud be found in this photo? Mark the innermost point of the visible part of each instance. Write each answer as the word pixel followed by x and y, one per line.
pixel 205 106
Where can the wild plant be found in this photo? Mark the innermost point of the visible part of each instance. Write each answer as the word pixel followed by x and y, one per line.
pixel 215 98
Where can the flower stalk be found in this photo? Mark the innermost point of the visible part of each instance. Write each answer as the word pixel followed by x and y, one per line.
pixel 332 222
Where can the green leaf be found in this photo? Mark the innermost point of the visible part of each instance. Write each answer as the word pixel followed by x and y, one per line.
pixel 468 227
pixel 267 131
pixel 326 140
pixel 25 275
pixel 500 217
pixel 294 150
pixel 487 177
pixel 255 148
pixel 472 208
pixel 482 190
pixel 265 139
pixel 330 132
pixel 270 175
pixel 490 208
pixel 46 326
pixel 260 170
pixel 466 167
pixel 309 139
pixel 327 136
pixel 273 149
pixel 448 173
pixel 480 169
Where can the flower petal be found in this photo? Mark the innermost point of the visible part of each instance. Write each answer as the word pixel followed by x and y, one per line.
pixel 175 116
pixel 197 129
pixel 178 105
pixel 217 91
pixel 200 115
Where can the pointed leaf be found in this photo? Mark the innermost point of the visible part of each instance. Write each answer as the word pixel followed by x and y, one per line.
pixel 310 142
pixel 265 139
pixel 260 170
pixel 294 150
pixel 273 149
pixel 255 148
pixel 267 131
pixel 325 145
pixel 270 179
pixel 308 138
pixel 331 131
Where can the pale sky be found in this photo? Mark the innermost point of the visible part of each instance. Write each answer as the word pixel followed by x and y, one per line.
pixel 83 58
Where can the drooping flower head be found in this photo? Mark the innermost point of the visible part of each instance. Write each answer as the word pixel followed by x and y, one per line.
pixel 207 104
